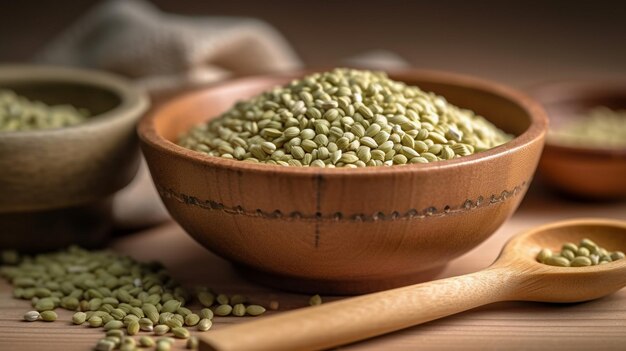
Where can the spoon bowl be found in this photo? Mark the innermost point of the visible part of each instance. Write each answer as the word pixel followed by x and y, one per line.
pixel 540 282
pixel 515 275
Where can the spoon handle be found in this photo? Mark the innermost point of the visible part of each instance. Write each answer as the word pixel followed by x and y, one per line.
pixel 365 316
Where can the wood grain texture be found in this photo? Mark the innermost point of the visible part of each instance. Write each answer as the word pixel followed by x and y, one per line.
pixel 515 275
pixel 599 324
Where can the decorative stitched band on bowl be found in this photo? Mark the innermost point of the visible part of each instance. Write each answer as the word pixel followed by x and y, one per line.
pixel 413 213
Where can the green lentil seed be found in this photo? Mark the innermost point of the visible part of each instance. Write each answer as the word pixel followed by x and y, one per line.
pixel 45 304
pixel 192 343
pixel 69 303
pixel 204 324
pixel 165 316
pixel 133 328
pixel 9 257
pixel 163 346
pixel 255 310
pixel 580 261
pixel 589 244
pixel 192 319
pixel 146 324
pixel 49 316
pixel 31 316
pixel 570 246
pixel 206 313
pixel 128 341
pixel 129 318
pixel 239 310
pixel 95 322
pixel 223 310
pixel 315 300
pixel 161 329
pixel 178 318
pixel 106 318
pixel 137 311
pixel 568 254
pixel 173 323
pixel 151 312
pixel 105 345
pixel 115 332
pixel 109 300
pixel 170 306
pixel 118 313
pixel 222 299
pixel 115 340
pixel 557 261
pixel 583 251
pixel 543 255
pixel 146 341
pixel 183 311
pixel 114 324
pixel 180 332
pixel 95 303
pixel 167 339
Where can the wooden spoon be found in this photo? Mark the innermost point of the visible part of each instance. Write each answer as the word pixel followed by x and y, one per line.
pixel 515 275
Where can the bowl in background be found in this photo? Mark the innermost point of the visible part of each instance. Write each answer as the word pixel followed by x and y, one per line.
pixel 343 231
pixel 586 172
pixel 56 184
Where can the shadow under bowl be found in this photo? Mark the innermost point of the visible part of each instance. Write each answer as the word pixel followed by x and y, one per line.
pixel 57 183
pixel 343 231
pixel 585 172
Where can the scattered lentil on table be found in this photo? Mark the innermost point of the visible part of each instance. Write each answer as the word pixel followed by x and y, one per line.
pixel 116 293
pixel 315 300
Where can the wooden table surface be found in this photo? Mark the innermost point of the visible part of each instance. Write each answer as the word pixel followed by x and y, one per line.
pixel 599 324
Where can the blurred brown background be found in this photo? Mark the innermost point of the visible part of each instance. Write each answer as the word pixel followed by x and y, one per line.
pixel 519 42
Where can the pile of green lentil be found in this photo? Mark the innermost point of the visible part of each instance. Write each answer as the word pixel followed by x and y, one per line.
pixel 114 292
pixel 601 127
pixel 587 253
pixel 344 118
pixel 18 113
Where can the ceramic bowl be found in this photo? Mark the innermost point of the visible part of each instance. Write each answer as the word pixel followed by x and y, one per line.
pixel 584 172
pixel 343 231
pixel 57 183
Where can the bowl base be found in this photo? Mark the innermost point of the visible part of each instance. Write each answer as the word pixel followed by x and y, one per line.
pixel 336 287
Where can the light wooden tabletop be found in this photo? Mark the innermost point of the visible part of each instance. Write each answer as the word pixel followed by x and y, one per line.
pixel 599 324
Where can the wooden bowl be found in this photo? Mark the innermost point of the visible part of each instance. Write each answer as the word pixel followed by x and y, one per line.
pixel 343 231
pixel 592 173
pixel 56 183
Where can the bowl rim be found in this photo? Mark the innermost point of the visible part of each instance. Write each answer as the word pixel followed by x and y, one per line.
pixel 133 100
pixel 562 91
pixel 536 130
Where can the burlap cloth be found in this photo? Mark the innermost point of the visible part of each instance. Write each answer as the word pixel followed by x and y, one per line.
pixel 160 51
